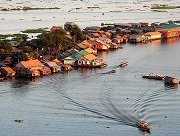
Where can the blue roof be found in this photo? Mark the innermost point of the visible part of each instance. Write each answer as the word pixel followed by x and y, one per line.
pixel 169 25
pixel 76 56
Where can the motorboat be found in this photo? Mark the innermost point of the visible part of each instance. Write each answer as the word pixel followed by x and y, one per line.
pixel 143 126
pixel 112 71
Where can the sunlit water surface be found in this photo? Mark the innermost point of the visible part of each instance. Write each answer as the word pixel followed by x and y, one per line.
pixel 48 106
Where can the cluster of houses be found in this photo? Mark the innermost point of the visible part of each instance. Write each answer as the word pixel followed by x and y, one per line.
pixel 86 58
pixel 84 53
pixel 143 32
pixel 33 68
pixel 132 32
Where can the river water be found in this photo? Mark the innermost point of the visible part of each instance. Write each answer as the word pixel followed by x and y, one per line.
pixel 83 12
pixel 74 103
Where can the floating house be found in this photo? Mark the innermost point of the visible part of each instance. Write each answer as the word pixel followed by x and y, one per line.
pixel 98 63
pixel 66 68
pixel 88 44
pixel 114 46
pixel 101 46
pixel 67 53
pixel 53 67
pixel 83 53
pixel 92 29
pixel 29 68
pixel 85 61
pixel 152 35
pixel 168 33
pixel 58 62
pixel 7 72
pixel 81 46
pixel 72 60
pixel 91 51
pixel 136 38
pixel 45 71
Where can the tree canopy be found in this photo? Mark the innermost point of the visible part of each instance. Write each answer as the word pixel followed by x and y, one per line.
pixel 5 46
pixel 54 40
pixel 76 33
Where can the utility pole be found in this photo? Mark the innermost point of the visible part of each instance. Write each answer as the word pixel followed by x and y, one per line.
pixel 37 52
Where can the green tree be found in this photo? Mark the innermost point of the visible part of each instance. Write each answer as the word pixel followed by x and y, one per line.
pixel 53 41
pixel 76 33
pixel 18 56
pixel 119 32
pixel 5 46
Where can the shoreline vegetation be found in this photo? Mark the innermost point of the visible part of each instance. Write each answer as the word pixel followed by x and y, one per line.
pixel 26 8
pixel 163 7
pixel 38 30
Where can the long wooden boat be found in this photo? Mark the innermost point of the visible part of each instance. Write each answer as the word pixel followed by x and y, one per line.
pixel 154 76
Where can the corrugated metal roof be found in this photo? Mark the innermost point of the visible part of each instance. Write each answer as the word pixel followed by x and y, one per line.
pixel 169 25
pixel 90 50
pixel 31 63
pixel 83 53
pixel 90 57
pixel 82 46
pixel 51 64
pixel 76 56
pixel 152 33
pixel 8 69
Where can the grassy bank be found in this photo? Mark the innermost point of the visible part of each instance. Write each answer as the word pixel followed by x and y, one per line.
pixel 161 7
pixel 28 8
pixel 39 30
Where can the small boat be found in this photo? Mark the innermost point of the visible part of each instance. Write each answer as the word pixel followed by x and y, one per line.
pixel 170 80
pixel 123 64
pixel 2 79
pixel 143 126
pixel 112 71
pixel 154 76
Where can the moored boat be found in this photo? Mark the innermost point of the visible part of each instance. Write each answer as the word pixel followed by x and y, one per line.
pixel 2 78
pixel 154 76
pixel 170 80
pixel 112 71
pixel 123 64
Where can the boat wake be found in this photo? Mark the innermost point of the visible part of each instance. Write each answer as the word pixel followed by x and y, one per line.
pixel 114 114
